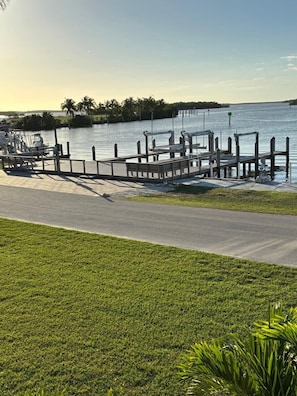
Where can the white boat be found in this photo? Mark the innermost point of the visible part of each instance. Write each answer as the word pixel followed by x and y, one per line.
pixel 18 142
pixel 36 145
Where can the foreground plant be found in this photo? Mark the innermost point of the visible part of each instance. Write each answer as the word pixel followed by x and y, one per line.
pixel 264 365
pixel 3 4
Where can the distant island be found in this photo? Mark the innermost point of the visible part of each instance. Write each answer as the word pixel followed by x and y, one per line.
pixel 293 102
pixel 199 105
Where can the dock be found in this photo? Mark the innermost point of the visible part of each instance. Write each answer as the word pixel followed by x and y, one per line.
pixel 184 159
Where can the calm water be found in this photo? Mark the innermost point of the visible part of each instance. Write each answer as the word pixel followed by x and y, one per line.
pixel 277 120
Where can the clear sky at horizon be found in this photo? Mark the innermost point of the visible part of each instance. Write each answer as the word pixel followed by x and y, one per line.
pixel 180 50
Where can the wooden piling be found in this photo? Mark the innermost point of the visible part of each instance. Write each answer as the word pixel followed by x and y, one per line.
pixel 211 142
pixel 94 153
pixel 139 150
pixel 218 163
pixel 146 146
pixel 190 145
pixel 170 142
pixel 57 159
pixel 182 142
pixel 244 170
pixel 61 150
pixel 272 158
pixel 56 137
pixel 257 156
pixel 287 157
pixel 216 143
pixel 229 145
pixel 237 157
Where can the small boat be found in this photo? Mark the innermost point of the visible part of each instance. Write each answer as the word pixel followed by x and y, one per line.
pixel 36 145
pixel 17 142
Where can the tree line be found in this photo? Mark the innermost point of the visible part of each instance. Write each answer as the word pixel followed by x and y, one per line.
pixel 129 109
pixel 132 109
pixel 36 122
pixel 199 105
pixel 293 102
pixel 86 112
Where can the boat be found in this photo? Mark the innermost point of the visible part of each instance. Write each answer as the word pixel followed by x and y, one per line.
pixel 18 142
pixel 36 145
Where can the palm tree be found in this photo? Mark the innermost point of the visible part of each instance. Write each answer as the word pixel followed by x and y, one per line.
pixel 3 4
pixel 265 365
pixel 86 104
pixel 69 106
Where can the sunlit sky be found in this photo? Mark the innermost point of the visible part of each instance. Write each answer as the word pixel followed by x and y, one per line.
pixel 230 51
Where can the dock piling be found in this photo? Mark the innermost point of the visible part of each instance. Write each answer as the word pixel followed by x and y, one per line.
pixel 287 157
pixel 257 155
pixel 139 150
pixel 272 158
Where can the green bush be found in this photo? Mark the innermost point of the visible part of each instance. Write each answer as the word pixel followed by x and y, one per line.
pixel 80 121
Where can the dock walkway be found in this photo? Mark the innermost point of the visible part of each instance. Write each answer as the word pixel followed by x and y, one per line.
pixel 149 168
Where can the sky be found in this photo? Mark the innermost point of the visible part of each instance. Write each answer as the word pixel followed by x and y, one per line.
pixel 232 51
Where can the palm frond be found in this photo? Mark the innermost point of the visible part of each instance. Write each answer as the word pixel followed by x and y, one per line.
pixel 280 327
pixel 3 4
pixel 258 367
pixel 213 367
pixel 272 367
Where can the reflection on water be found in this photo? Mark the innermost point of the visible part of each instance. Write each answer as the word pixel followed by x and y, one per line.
pixel 277 120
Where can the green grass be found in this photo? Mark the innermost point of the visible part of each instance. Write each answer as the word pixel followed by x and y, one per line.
pixel 228 198
pixel 81 313
pixel 65 119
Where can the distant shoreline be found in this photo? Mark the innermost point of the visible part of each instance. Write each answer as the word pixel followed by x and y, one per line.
pixel 26 112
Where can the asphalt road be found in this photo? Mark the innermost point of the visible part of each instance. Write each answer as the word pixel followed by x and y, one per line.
pixel 268 238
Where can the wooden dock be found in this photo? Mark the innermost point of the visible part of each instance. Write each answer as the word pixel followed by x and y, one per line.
pixel 148 167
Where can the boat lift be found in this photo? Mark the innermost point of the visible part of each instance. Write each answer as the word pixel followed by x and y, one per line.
pixel 170 148
pixel 188 138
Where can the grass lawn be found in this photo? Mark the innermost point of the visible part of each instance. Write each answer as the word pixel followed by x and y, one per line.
pixel 81 312
pixel 65 119
pixel 228 198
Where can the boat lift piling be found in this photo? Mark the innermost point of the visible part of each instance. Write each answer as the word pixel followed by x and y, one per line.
pixel 238 157
pixel 156 148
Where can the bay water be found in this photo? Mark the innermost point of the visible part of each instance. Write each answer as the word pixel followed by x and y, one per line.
pixel 277 119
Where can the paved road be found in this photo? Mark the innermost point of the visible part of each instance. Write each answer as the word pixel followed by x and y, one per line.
pixel 268 238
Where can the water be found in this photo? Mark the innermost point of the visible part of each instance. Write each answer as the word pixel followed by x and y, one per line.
pixel 277 120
